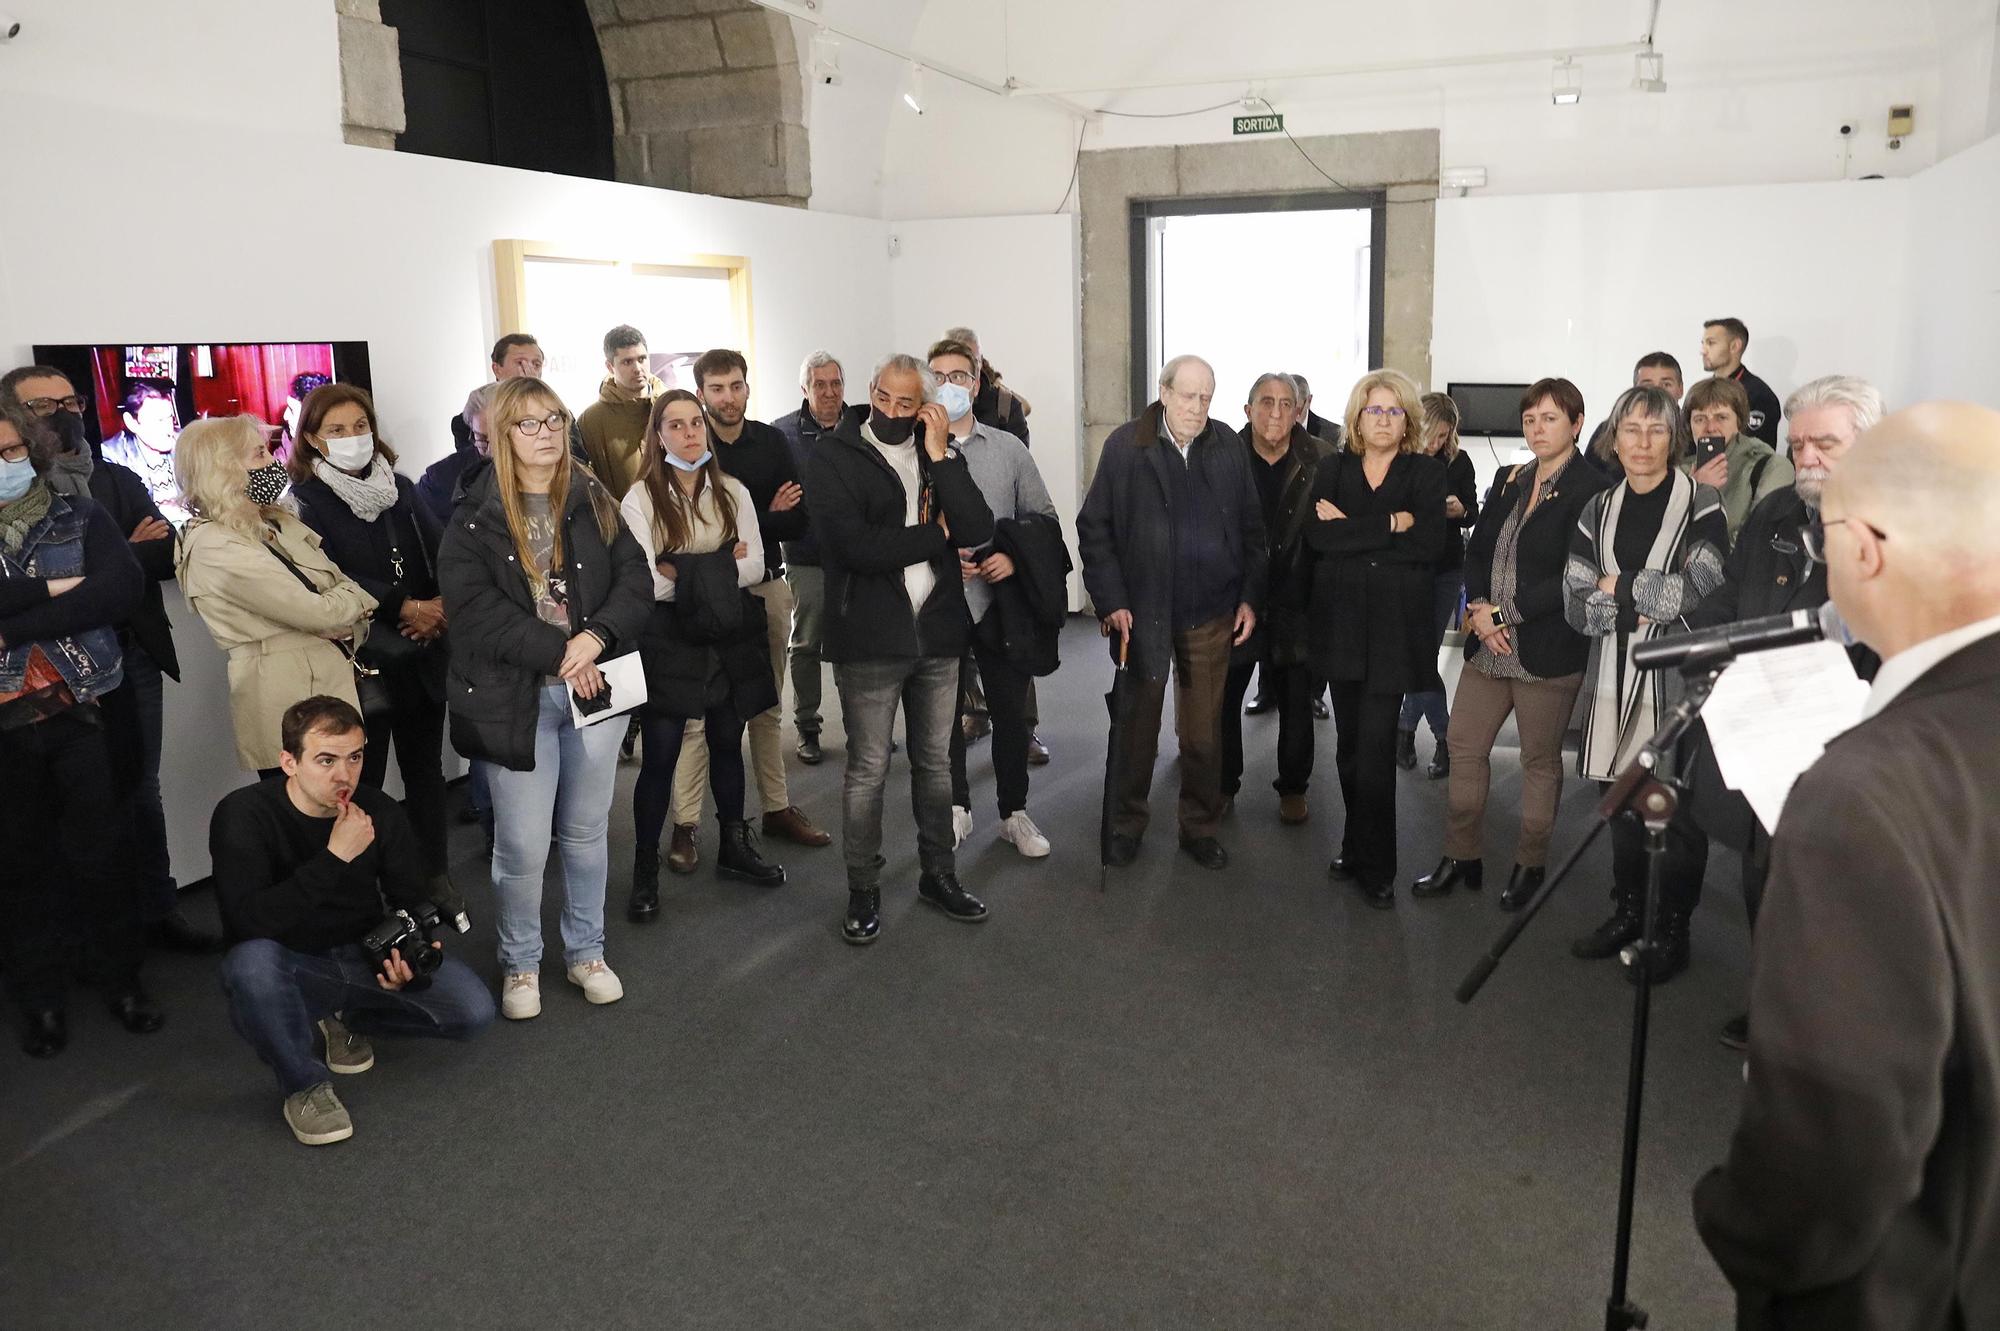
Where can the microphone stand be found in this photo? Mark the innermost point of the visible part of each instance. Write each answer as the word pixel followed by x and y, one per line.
pixel 1640 790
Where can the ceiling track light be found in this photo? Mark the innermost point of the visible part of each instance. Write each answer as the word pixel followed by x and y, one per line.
pixel 1566 83
pixel 913 88
pixel 1649 71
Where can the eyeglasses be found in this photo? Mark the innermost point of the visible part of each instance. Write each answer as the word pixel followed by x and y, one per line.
pixel 14 453
pixel 49 406
pixel 1813 535
pixel 963 378
pixel 1389 413
pixel 555 422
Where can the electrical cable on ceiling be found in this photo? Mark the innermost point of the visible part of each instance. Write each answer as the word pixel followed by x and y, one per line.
pixel 1171 115
pixel 1339 184
pixel 1076 162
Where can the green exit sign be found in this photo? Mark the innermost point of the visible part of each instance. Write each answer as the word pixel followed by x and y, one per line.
pixel 1257 125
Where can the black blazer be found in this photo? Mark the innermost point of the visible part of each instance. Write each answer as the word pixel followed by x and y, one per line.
pixel 1033 604
pixel 123 496
pixel 1547 645
pixel 1372 588
pixel 1862 1187
pixel 1281 637
pixel 860 511
pixel 501 649
pixel 1462 483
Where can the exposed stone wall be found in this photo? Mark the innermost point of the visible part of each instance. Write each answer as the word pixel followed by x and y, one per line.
pixel 706 96
pixel 1403 164
pixel 371 76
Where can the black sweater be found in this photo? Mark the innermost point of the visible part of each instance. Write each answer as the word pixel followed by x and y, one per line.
pixel 762 459
pixel 275 878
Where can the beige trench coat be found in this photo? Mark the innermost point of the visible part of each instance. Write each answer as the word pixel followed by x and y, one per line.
pixel 273 629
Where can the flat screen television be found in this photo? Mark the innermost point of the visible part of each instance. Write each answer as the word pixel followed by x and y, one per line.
pixel 1488 409
pixel 139 396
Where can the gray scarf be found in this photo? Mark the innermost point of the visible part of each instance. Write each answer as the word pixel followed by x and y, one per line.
pixel 71 473
pixel 369 495
pixel 19 517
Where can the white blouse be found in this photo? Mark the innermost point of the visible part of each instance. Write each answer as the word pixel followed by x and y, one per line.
pixel 706 533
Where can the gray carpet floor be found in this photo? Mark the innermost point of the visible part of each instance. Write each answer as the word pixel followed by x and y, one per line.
pixel 1235 1100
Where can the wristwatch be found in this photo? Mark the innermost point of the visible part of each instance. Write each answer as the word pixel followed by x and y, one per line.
pixel 1499 617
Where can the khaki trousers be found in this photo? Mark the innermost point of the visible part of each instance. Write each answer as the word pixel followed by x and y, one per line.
pixel 767 753
pixel 1541 710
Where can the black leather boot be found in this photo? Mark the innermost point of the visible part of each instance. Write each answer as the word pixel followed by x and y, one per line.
pixel 1522 884
pixel 943 891
pixel 1670 953
pixel 1623 927
pixel 1406 750
pixel 864 915
pixel 644 907
pixel 737 858
pixel 1450 873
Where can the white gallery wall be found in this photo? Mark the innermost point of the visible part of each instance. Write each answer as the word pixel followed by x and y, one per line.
pixel 1952 319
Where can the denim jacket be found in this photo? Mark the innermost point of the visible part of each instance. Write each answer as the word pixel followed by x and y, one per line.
pixel 89 661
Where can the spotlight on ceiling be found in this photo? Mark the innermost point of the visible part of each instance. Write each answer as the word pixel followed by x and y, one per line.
pixel 1566 83
pixel 1649 71
pixel 913 89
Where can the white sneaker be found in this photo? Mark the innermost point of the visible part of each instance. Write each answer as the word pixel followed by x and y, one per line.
pixel 596 980
pixel 1020 829
pixel 961 825
pixel 521 996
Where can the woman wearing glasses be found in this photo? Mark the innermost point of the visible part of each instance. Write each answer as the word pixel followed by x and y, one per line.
pixel 1644 553
pixel 1379 531
pixel 541 581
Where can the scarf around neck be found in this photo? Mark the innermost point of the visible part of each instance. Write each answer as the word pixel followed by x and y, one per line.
pixel 71 473
pixel 368 495
pixel 19 518
pixel 1626 704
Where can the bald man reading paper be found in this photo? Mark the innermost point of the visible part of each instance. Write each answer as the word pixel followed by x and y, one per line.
pixel 1863 1185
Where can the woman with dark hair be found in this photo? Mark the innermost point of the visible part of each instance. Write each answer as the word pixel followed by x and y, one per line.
pixel 541 580
pixel 1643 554
pixel 1461 510
pixel 1747 469
pixel 376 532
pixel 705 650
pixel 1522 657
pixel 67 581
pixel 1379 529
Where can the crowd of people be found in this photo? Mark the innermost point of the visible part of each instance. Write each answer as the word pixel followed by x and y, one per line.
pixel 908 541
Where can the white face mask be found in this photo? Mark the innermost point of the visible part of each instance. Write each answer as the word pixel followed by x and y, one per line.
pixel 352 453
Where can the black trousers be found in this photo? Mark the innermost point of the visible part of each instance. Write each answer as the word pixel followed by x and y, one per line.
pixel 1680 876
pixel 1365 757
pixel 416 726
pixel 1007 691
pixel 1293 689
pixel 66 881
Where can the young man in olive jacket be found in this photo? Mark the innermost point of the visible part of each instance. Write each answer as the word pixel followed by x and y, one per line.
pixel 892 504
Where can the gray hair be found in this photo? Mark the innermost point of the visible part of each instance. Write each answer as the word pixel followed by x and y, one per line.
pixel 1861 398
pixel 478 400
pixel 818 360
pixel 902 360
pixel 1174 366
pixel 1290 381
pixel 1656 402
pixel 962 334
pixel 1305 389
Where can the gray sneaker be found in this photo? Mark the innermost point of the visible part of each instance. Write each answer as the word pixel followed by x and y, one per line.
pixel 316 1116
pixel 346 1052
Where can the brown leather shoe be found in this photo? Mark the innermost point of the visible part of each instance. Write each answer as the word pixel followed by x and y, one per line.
pixel 682 855
pixel 792 824
pixel 1291 809
pixel 1038 752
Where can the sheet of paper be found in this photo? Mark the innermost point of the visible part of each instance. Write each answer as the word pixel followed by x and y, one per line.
pixel 1773 713
pixel 626 678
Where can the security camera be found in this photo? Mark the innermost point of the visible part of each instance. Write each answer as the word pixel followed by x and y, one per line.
pixel 10 27
pixel 1846 130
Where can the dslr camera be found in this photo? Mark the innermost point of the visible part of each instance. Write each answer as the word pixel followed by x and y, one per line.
pixel 410 934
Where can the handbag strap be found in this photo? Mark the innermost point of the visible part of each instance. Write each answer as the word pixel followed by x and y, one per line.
pixel 345 645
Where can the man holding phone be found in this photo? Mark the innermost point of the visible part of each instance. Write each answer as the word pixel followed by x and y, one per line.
pixel 1742 468
pixel 305 865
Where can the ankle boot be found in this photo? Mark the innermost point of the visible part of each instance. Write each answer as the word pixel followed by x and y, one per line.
pixel 1450 873
pixel 644 906
pixel 1670 953
pixel 737 858
pixel 1406 750
pixel 1623 927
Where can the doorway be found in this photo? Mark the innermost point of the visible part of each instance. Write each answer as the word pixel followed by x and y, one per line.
pixel 1290 282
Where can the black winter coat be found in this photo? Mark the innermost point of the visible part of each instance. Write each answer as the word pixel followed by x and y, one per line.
pixel 1548 647
pixel 1372 587
pixel 1281 637
pixel 1032 604
pixel 860 510
pixel 1124 532
pixel 803 433
pixel 368 553
pixel 122 495
pixel 707 644
pixel 501 650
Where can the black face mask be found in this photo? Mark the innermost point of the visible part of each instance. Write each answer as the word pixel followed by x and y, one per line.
pixel 891 431
pixel 68 426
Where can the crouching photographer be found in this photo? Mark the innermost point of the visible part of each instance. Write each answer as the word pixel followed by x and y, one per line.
pixel 323 896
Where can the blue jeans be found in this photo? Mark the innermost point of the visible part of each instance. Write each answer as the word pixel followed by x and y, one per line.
pixel 568 791
pixel 275 995
pixel 150 862
pixel 926 688
pixel 1432 706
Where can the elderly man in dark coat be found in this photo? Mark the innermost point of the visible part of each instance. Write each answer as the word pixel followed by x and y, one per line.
pixel 1863 1185
pixel 1172 537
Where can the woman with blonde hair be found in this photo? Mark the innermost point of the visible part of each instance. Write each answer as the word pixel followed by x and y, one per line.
pixel 289 619
pixel 1379 530
pixel 1461 510
pixel 541 580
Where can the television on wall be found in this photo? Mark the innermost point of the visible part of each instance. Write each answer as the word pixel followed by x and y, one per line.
pixel 138 396
pixel 1488 409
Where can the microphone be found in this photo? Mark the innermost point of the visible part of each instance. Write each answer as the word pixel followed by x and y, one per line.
pixel 1726 642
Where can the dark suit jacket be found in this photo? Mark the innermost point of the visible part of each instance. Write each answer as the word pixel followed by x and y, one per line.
pixel 1281 637
pixel 1547 645
pixel 1863 1185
